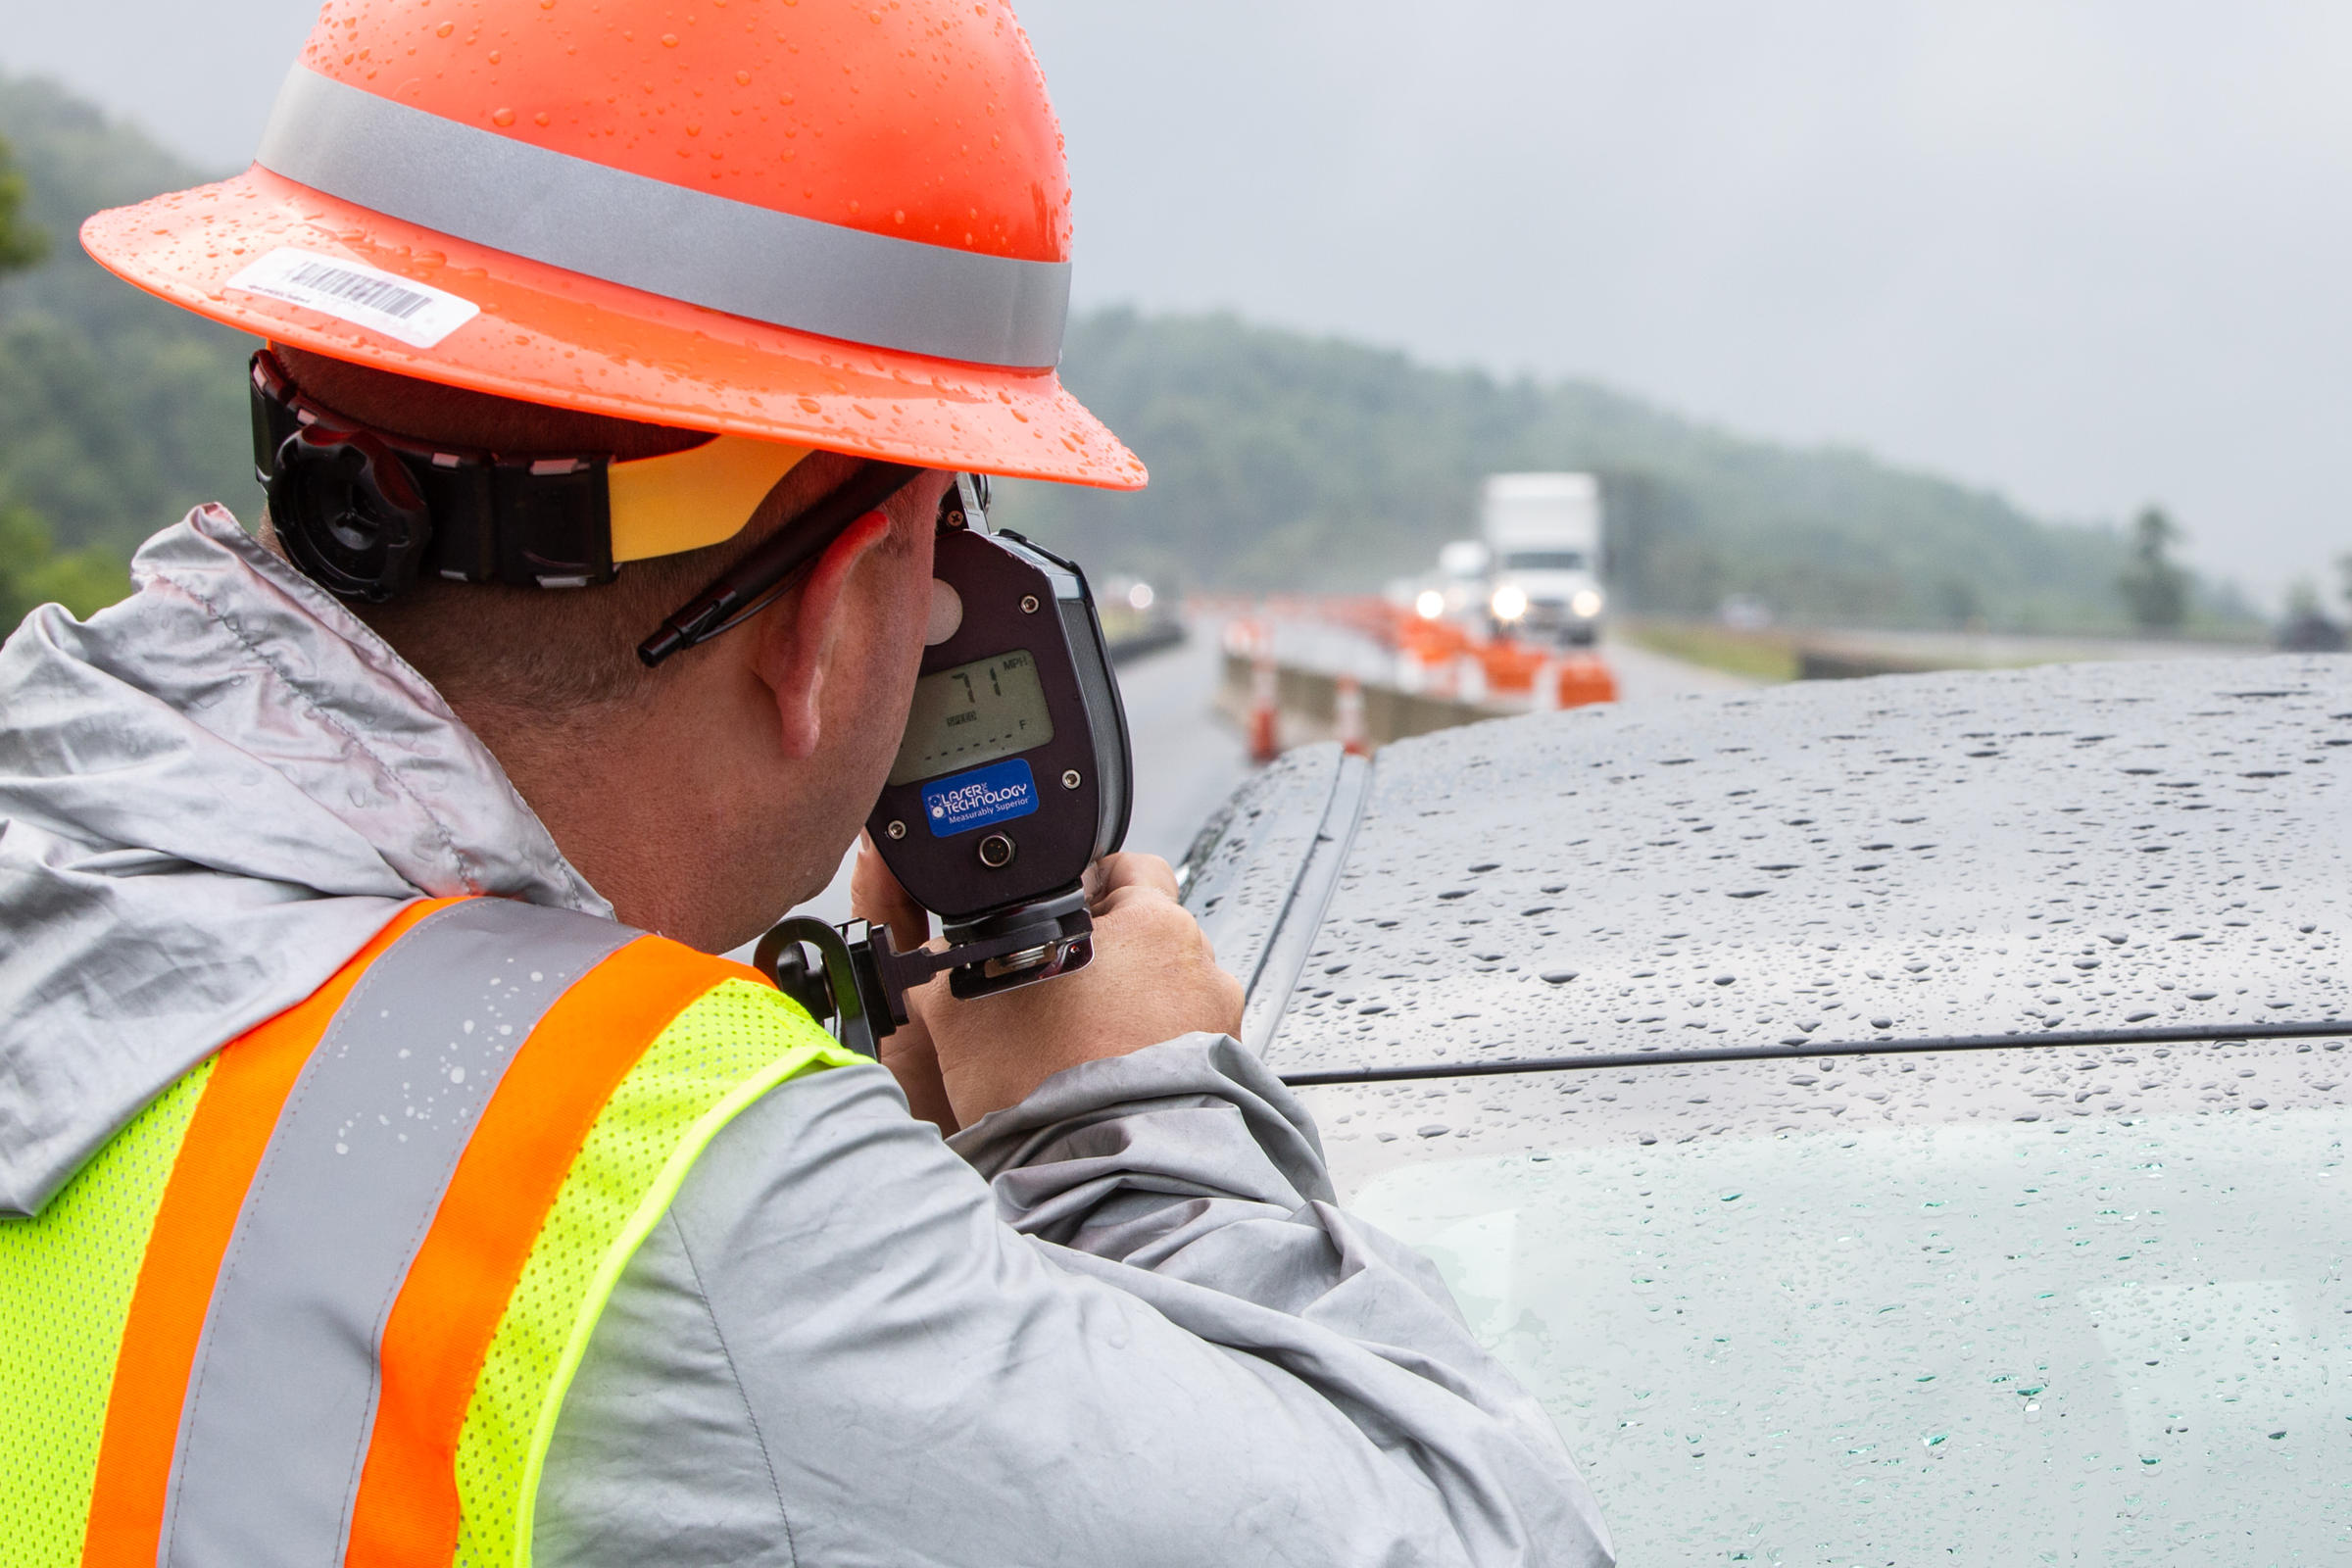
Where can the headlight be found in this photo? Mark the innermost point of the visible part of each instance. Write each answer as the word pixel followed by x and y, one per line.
pixel 1585 604
pixel 1508 603
pixel 1139 596
pixel 1429 603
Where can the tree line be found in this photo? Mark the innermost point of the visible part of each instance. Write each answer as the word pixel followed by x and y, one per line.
pixel 1279 459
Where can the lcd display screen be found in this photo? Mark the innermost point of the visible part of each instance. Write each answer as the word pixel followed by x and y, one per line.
pixel 971 714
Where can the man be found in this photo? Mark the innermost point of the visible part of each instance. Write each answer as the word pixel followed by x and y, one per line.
pixel 380 1194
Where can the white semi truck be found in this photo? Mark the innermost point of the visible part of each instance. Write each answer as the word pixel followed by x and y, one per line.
pixel 1543 533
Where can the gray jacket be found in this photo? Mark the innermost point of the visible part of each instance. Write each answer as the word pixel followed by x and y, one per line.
pixel 1121 1323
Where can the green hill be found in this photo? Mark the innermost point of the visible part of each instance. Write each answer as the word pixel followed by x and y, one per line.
pixel 1277 459
pixel 1282 460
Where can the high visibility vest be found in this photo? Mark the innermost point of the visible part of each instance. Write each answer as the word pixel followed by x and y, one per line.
pixel 320 1300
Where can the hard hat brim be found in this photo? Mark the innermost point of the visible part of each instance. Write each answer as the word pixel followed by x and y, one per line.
pixel 547 335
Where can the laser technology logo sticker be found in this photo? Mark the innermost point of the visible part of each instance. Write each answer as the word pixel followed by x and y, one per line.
pixel 997 793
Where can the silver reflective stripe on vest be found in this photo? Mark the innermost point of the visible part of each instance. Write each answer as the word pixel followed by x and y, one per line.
pixel 689 245
pixel 281 1400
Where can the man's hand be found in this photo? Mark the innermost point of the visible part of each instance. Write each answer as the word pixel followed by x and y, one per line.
pixel 1153 977
pixel 875 895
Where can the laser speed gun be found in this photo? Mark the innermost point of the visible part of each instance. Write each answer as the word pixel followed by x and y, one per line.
pixel 1012 777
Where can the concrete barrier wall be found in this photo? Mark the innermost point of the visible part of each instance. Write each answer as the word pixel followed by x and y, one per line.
pixel 1308 702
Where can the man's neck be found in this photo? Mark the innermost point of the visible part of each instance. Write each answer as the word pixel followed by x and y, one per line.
pixel 641 808
pixel 578 778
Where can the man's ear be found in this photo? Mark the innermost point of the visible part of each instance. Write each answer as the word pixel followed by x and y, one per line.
pixel 798 638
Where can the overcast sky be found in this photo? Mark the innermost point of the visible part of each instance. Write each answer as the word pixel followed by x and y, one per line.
pixel 2089 253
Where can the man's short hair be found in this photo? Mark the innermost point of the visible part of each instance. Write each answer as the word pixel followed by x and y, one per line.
pixel 554 650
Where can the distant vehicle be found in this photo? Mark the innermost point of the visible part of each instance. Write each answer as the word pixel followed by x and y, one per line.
pixel 1543 533
pixel 1890 1121
pixel 1137 617
pixel 1455 591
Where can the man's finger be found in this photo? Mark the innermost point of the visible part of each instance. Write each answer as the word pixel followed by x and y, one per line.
pixel 1115 871
pixel 875 895
pixel 1131 907
pixel 1130 895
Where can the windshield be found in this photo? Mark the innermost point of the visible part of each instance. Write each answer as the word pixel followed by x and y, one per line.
pixel 1542 560
pixel 2094 1339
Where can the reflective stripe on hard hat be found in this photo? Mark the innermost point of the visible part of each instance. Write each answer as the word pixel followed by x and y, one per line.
pixel 775 266
pixel 362 1295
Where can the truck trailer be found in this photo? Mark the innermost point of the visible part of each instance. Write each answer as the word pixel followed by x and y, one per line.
pixel 1544 535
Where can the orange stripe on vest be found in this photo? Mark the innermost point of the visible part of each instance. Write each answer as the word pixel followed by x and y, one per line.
pixel 531 1133
pixel 232 1125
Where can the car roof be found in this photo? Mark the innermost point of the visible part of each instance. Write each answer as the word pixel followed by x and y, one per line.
pixel 2113 852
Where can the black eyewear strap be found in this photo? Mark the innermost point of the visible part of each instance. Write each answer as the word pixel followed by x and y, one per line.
pixel 753 583
pixel 756 581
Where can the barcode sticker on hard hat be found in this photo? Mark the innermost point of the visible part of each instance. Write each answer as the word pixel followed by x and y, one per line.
pixel 416 314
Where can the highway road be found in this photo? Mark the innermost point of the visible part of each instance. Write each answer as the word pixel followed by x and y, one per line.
pixel 1188 759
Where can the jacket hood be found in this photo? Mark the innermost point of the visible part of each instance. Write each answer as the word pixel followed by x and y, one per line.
pixel 212 794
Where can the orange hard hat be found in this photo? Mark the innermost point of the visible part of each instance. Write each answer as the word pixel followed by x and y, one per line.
pixel 828 224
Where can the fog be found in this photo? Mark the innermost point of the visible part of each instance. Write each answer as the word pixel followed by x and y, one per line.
pixel 2089 255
